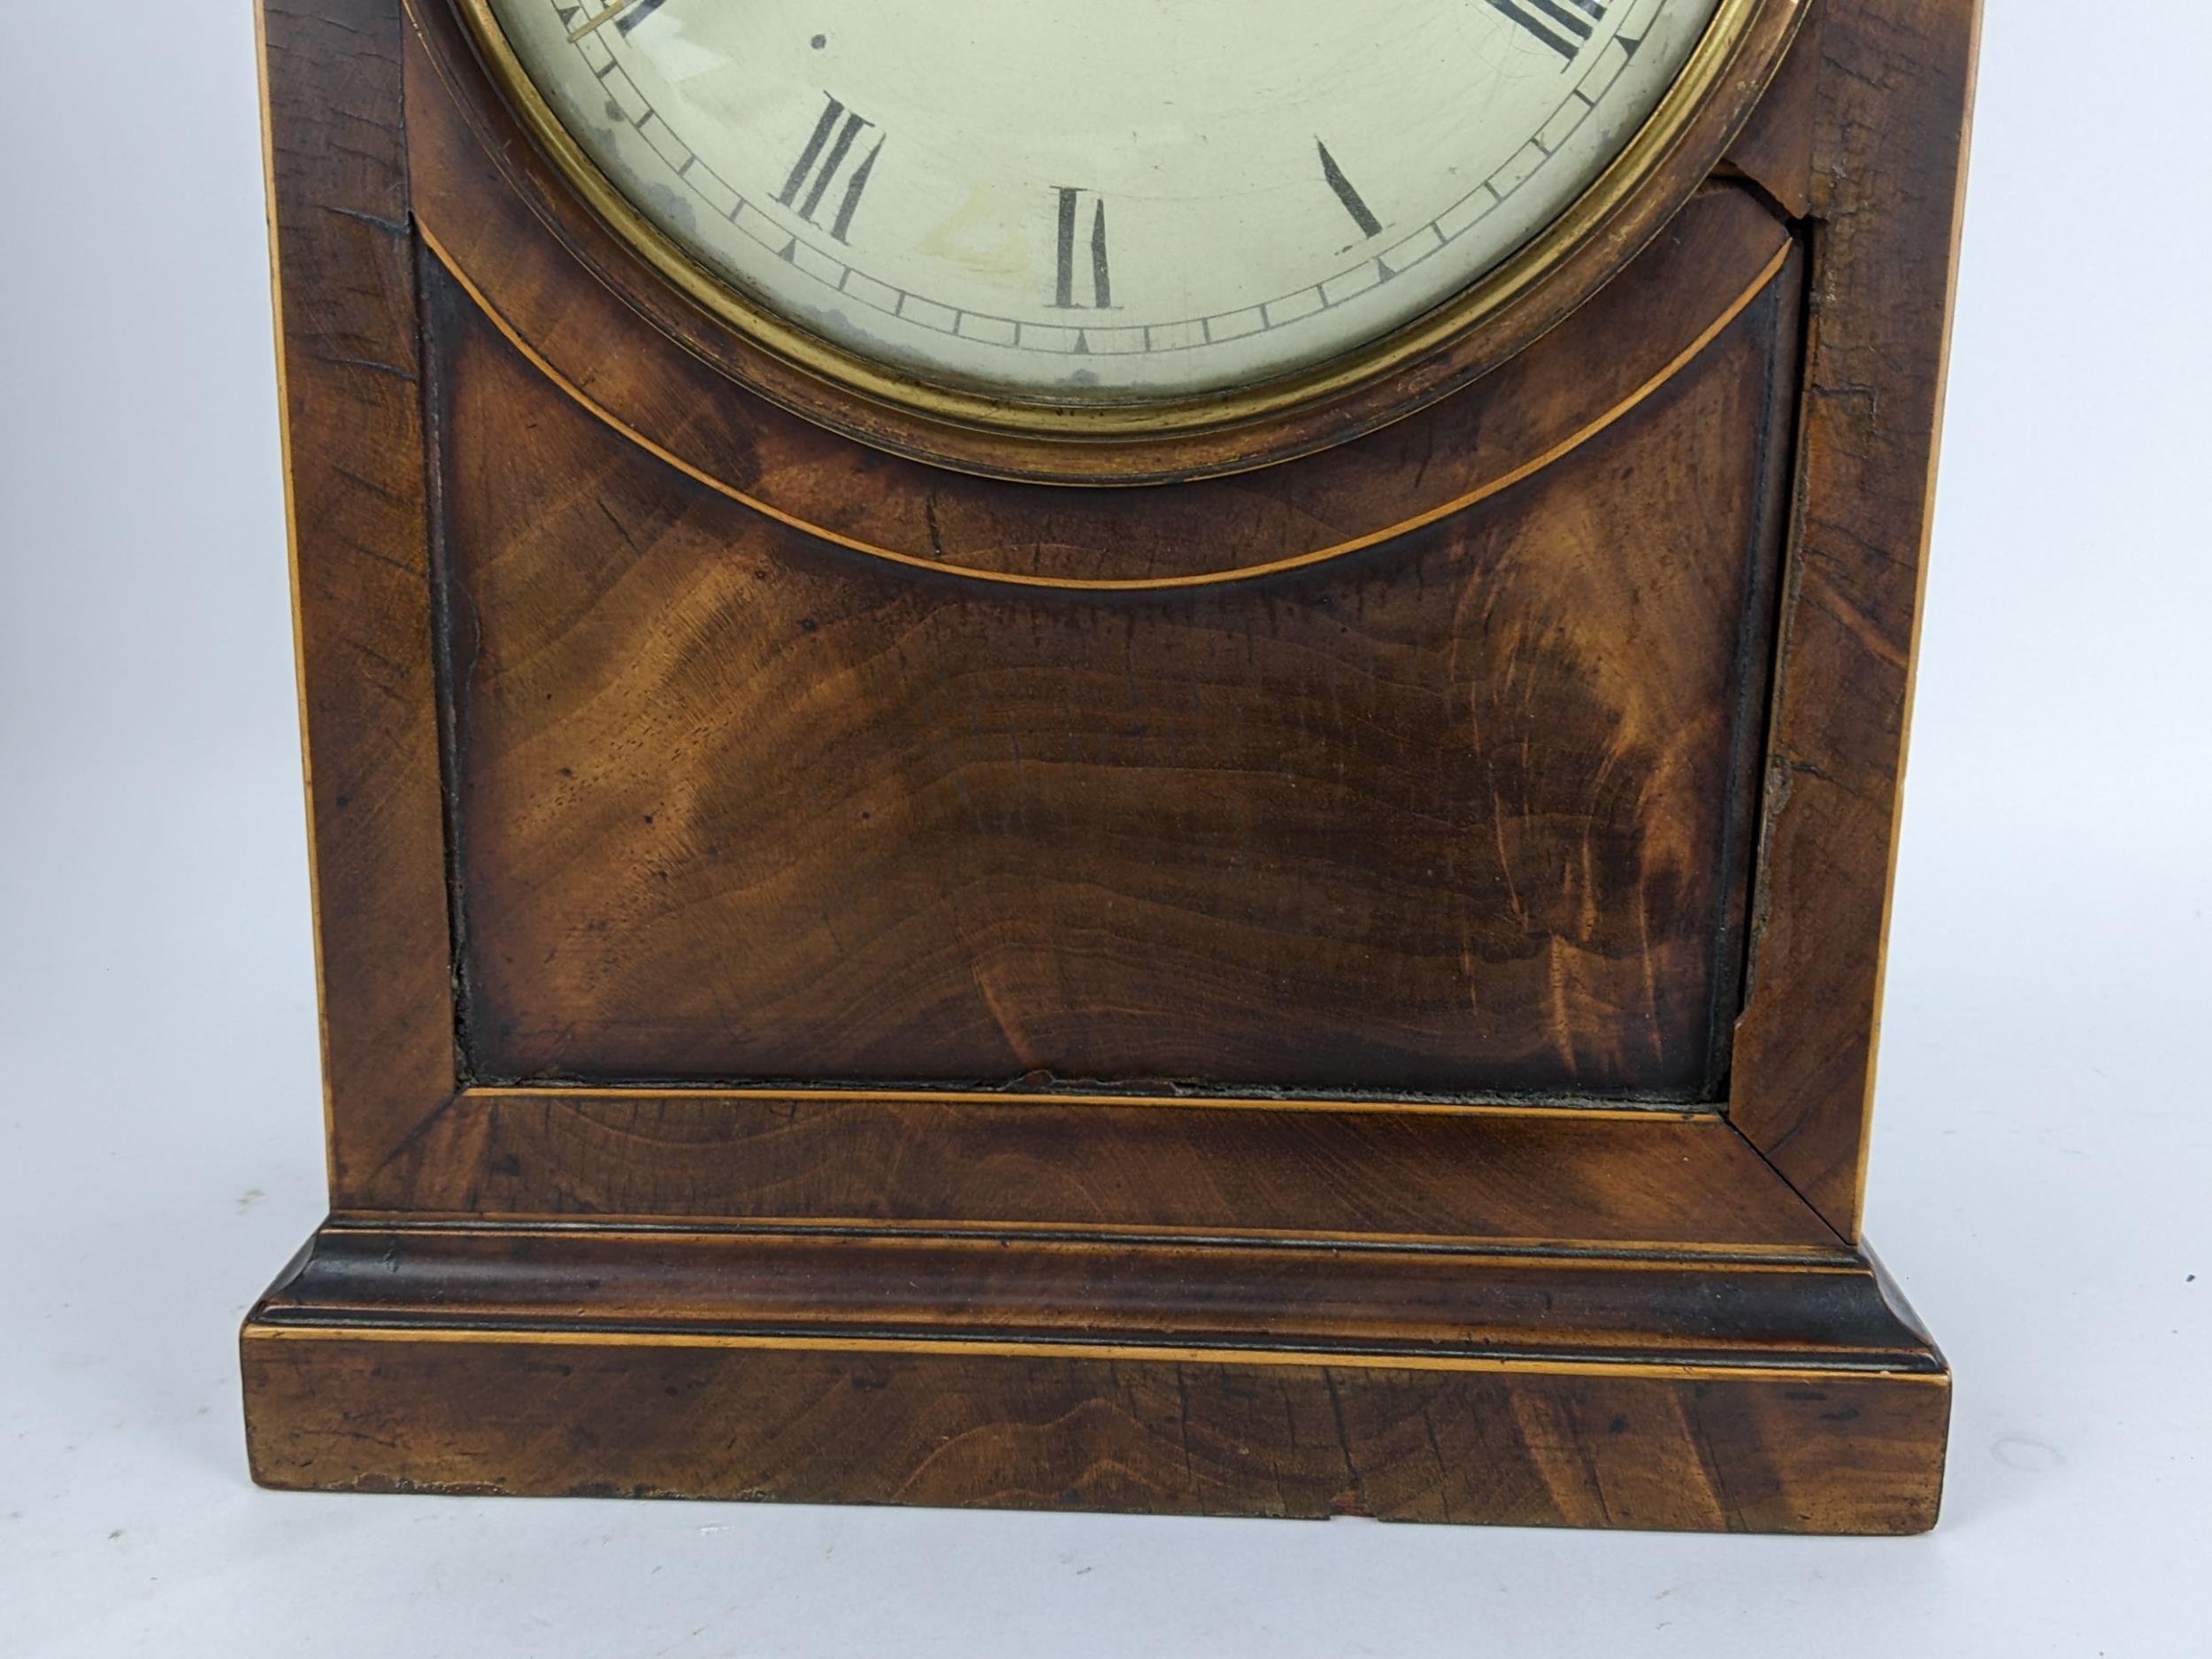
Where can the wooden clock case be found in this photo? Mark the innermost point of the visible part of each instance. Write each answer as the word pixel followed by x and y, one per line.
pixel 1343 981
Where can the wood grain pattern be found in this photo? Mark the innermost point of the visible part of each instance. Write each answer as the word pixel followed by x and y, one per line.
pixel 1170 1377
pixel 1889 149
pixel 1299 1436
pixel 1378 1300
pixel 1774 151
pixel 1364 969
pixel 1666 1180
pixel 1450 815
pixel 351 368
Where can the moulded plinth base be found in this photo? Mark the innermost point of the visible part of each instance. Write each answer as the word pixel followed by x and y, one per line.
pixel 1555 1386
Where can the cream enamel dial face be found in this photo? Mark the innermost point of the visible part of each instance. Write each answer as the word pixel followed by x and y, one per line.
pixel 1082 201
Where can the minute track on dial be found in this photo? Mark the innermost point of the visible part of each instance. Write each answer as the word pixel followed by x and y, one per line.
pixel 624 14
pixel 900 190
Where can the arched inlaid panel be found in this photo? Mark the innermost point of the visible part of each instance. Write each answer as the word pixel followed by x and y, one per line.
pixel 1663 164
pixel 1462 812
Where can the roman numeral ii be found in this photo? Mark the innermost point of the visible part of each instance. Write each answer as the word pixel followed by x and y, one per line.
pixel 1102 282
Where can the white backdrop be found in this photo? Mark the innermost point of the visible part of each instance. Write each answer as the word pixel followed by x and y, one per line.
pixel 2041 1172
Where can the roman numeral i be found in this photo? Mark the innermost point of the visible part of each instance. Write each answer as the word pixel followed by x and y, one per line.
pixel 1353 202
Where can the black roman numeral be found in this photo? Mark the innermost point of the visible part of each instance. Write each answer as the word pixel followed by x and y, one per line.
pixel 1361 215
pixel 624 14
pixel 823 160
pixel 1565 26
pixel 1102 276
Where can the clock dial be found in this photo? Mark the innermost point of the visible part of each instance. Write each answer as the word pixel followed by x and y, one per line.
pixel 1075 202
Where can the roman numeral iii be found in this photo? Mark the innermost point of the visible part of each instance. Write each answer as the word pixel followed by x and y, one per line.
pixel 1565 26
pixel 821 162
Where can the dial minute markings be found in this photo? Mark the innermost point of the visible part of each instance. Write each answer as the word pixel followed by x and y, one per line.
pixel 829 181
pixel 638 10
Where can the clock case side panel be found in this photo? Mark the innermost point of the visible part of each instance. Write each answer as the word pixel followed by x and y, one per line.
pixel 349 371
pixel 1890 105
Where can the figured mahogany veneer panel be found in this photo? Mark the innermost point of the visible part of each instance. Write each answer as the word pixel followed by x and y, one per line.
pixel 1456 813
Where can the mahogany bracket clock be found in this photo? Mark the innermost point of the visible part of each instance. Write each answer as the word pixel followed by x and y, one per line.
pixel 1136 756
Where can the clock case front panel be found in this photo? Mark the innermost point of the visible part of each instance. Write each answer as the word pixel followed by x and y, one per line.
pixel 1346 984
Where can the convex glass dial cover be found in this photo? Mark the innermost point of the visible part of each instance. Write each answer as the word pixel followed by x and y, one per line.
pixel 1070 203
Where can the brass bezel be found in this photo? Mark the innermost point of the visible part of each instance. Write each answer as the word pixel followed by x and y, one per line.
pixel 1708 65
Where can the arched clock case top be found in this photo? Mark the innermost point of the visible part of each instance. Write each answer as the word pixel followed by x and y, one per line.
pixel 1139 441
